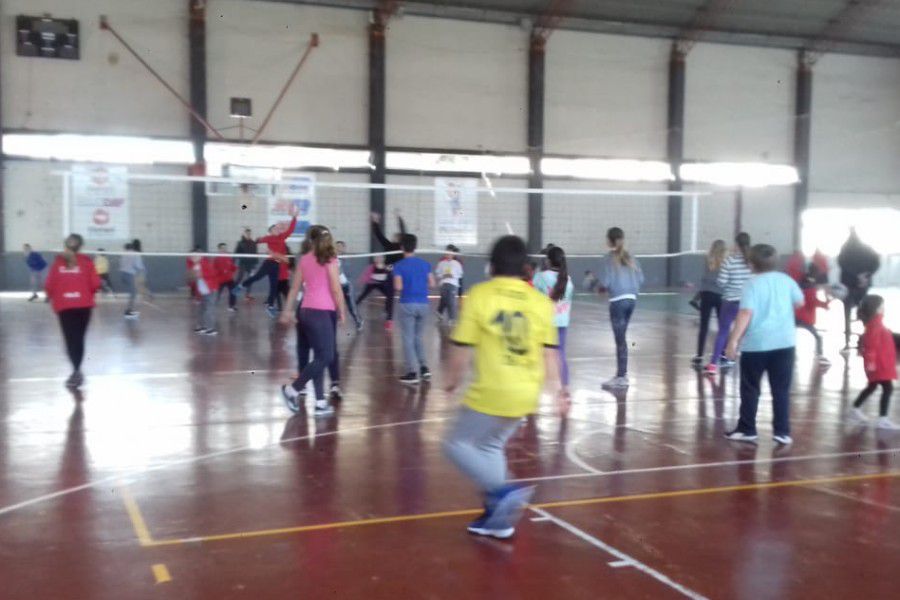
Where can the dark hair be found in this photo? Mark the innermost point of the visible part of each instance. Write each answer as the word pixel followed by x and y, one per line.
pixel 452 248
pixel 136 245
pixel 763 258
pixel 409 242
pixel 556 256
pixel 743 243
pixel 78 241
pixel 869 307
pixel 128 246
pixel 222 245
pixel 508 256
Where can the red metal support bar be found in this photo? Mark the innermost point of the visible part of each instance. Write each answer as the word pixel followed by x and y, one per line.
pixel 313 43
pixel 105 26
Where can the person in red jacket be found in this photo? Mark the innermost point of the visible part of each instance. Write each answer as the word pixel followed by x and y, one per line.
pixel 70 286
pixel 808 277
pixel 880 360
pixel 277 243
pixel 207 279
pixel 226 270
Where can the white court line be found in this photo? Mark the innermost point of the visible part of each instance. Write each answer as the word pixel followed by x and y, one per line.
pixel 727 463
pixel 572 454
pixel 149 375
pixel 865 501
pixel 628 560
pixel 194 459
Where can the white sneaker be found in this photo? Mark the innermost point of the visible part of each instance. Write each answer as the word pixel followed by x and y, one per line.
pixel 784 440
pixel 886 423
pixel 323 408
pixel 739 436
pixel 857 415
pixel 616 383
pixel 823 362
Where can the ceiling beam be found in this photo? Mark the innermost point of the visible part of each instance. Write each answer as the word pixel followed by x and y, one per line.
pixel 515 18
pixel 704 20
pixel 838 27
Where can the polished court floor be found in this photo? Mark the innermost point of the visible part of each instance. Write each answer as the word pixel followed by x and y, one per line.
pixel 178 473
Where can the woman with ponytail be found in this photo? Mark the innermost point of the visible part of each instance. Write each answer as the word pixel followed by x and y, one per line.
pixel 71 285
pixel 733 275
pixel 555 282
pixel 622 278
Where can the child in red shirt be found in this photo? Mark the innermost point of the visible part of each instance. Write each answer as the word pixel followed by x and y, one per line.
pixel 808 279
pixel 70 286
pixel 880 360
pixel 207 279
pixel 225 271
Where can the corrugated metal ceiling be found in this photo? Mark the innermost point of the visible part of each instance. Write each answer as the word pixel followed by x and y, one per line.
pixel 872 27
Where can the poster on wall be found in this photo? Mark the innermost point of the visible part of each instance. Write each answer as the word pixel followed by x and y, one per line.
pixel 299 192
pixel 99 202
pixel 455 211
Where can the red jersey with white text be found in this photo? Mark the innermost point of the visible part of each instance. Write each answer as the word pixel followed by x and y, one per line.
pixel 72 287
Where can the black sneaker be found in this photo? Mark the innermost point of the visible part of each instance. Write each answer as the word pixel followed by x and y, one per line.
pixel 211 332
pixel 336 393
pixel 410 379
pixel 697 361
pixel 33 298
pixel 200 330
pixel 425 374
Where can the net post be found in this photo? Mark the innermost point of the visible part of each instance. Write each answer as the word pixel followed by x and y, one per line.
pixel 695 225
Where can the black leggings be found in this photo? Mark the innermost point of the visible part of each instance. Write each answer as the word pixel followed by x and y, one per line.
pixel 268 270
pixel 386 287
pixel 74 324
pixel 709 301
pixel 887 387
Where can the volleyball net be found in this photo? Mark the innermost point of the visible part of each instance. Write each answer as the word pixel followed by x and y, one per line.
pixel 113 206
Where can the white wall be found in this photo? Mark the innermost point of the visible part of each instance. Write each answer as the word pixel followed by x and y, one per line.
pixel 456 84
pixel 768 216
pixel 579 223
pixel 160 211
pixel 855 127
pixel 344 211
pixel 606 95
pixel 417 209
pixel 106 91
pixel 252 48
pixel 739 104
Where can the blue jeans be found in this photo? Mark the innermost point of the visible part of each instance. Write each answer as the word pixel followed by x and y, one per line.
pixel 476 445
pixel 619 316
pixel 303 348
pixel 130 288
pixel 779 364
pixel 315 332
pixel 268 270
pixel 412 325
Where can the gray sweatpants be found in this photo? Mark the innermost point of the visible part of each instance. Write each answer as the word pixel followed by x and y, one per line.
pixel 475 444
pixel 206 312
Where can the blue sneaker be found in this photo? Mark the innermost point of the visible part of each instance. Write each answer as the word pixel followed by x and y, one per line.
pixel 509 504
pixel 272 311
pixel 479 526
pixel 292 398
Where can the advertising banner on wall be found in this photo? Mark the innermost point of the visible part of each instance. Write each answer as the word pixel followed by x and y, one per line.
pixel 455 211
pixel 98 205
pixel 299 193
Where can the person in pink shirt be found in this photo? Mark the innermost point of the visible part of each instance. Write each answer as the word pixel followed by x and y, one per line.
pixel 321 309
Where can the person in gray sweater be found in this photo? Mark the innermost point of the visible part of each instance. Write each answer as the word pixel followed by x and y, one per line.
pixel 621 277
pixel 710 294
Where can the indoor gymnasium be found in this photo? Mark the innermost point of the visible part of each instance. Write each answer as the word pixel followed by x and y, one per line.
pixel 436 299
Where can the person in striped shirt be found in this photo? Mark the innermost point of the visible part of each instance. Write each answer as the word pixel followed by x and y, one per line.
pixel 733 275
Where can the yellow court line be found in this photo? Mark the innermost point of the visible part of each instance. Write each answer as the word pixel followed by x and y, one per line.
pixel 137 519
pixel 161 574
pixel 545 505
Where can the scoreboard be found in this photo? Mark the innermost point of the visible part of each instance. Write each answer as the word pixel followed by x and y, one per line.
pixel 47 37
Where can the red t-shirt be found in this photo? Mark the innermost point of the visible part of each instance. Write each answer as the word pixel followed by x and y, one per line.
pixel 878 351
pixel 72 287
pixel 225 269
pixel 277 243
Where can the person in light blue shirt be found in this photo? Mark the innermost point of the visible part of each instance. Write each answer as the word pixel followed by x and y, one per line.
pixel 765 331
pixel 556 283
pixel 413 278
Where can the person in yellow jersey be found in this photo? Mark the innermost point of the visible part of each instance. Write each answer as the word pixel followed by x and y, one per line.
pixel 508 327
pixel 101 264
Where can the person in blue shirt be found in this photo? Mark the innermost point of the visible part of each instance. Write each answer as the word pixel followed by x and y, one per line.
pixel 766 333
pixel 36 267
pixel 413 278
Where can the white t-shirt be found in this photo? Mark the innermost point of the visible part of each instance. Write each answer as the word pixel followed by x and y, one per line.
pixel 343 278
pixel 449 271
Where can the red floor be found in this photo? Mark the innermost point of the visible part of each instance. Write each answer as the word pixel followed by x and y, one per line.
pixel 178 474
